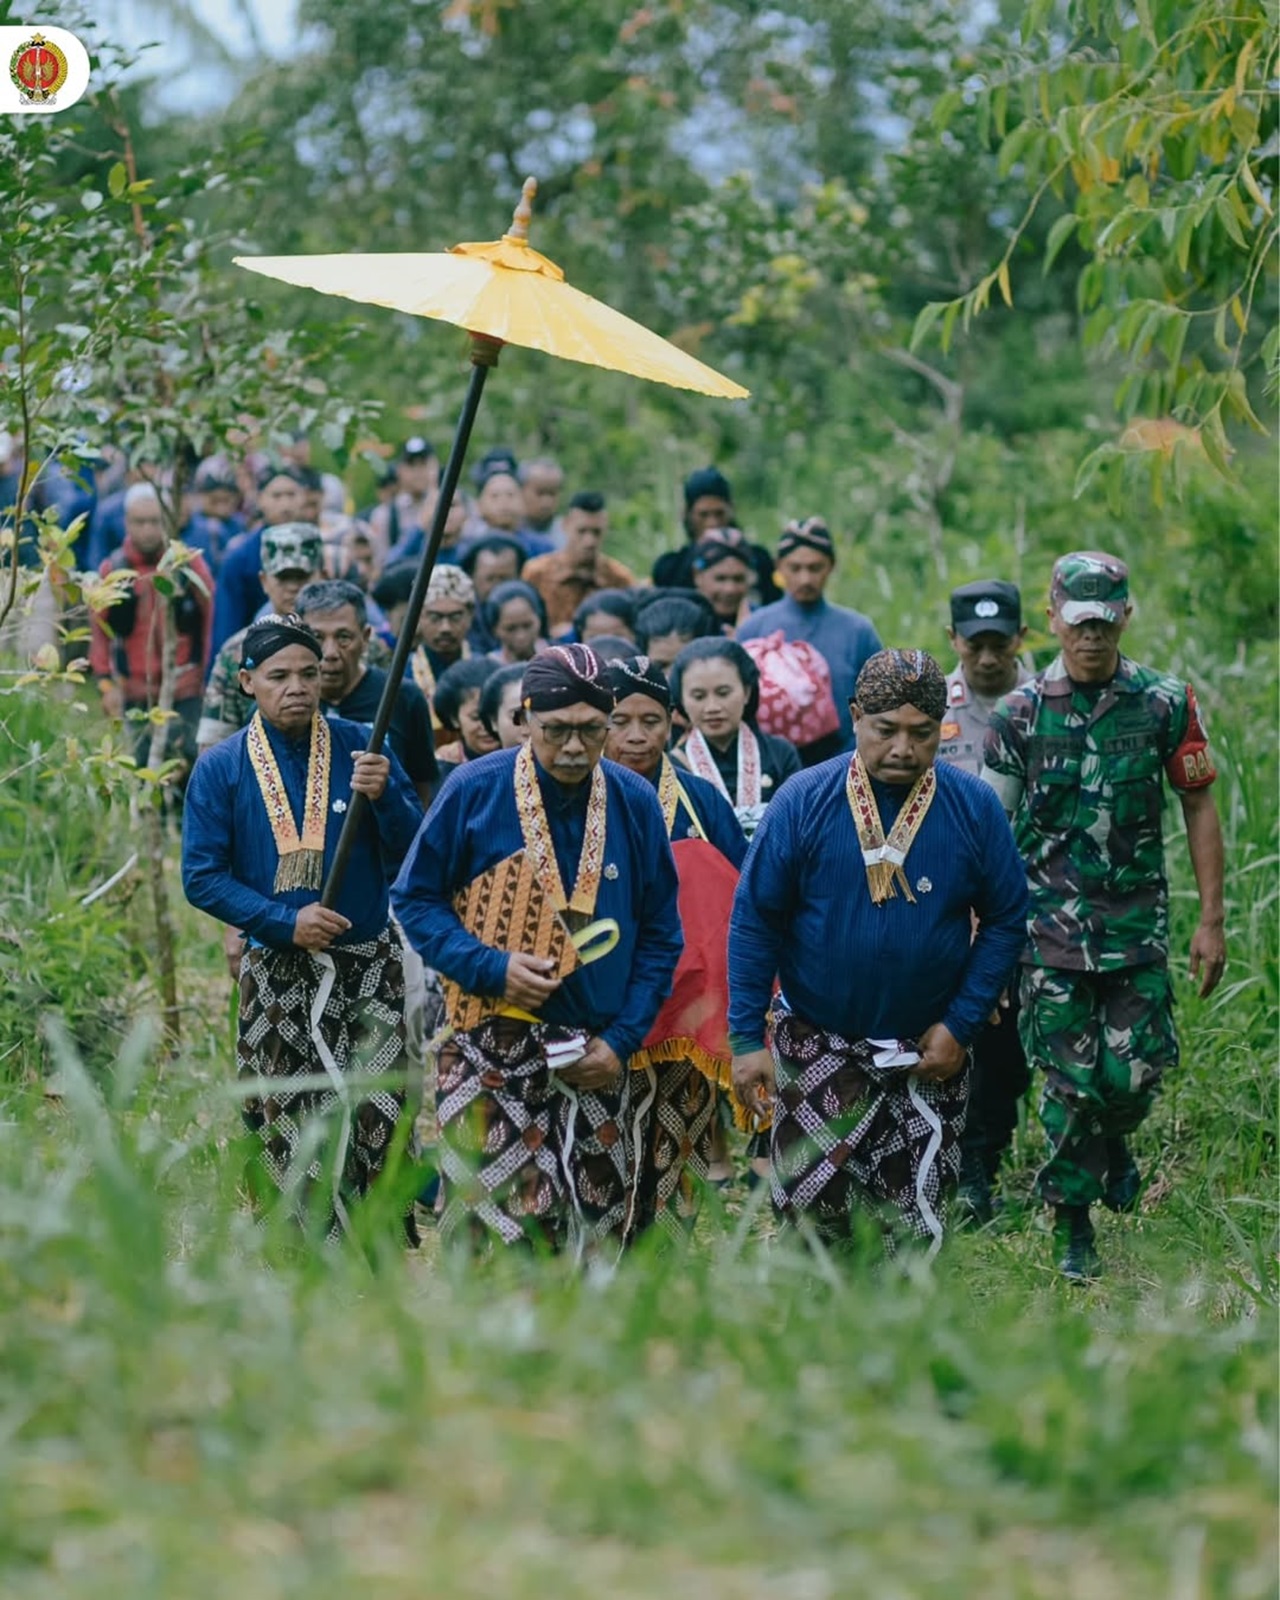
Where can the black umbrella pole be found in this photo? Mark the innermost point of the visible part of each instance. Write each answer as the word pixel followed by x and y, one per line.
pixel 484 355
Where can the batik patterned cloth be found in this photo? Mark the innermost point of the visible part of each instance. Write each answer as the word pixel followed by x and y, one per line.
pixel 850 1136
pixel 675 1147
pixel 523 1156
pixel 358 991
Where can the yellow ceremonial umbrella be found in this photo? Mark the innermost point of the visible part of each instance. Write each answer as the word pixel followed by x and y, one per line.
pixel 506 291
pixel 502 292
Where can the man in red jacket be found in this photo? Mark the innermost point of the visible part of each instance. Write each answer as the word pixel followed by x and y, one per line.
pixel 127 641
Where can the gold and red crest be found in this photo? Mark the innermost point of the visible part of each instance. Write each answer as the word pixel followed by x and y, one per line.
pixel 38 70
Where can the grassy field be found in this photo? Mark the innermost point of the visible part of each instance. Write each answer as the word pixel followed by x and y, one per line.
pixel 188 1410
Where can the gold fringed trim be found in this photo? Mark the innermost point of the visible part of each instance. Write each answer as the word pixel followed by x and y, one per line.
pixel 299 869
pixel 719 1070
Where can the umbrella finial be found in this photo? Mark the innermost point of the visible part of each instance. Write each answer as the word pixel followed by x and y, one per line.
pixel 519 228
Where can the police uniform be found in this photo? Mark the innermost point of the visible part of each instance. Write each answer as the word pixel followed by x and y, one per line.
pixel 1000 1074
pixel 964 729
pixel 1080 770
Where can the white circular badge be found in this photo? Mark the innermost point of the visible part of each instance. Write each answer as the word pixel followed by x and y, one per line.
pixel 47 70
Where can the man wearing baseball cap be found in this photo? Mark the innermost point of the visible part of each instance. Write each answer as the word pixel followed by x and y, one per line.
pixel 1076 756
pixel 987 635
pixel 292 555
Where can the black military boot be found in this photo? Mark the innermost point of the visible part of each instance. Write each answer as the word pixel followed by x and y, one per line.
pixel 1124 1181
pixel 1073 1238
pixel 973 1204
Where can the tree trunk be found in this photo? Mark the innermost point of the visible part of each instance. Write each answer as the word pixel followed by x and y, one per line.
pixel 154 832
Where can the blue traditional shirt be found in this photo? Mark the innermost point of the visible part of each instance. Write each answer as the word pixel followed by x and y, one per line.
pixel 474 824
pixel 718 820
pixel 804 911
pixel 229 854
pixel 239 592
pixel 845 638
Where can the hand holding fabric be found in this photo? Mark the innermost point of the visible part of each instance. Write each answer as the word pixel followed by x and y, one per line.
pixel 597 1068
pixel 941 1054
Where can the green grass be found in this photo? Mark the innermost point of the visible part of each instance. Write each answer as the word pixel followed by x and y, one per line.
pixel 189 1410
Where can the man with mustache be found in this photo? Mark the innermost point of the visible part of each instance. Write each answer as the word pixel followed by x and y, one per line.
pixel 537 1125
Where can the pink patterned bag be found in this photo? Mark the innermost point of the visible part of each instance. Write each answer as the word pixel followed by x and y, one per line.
pixel 795 689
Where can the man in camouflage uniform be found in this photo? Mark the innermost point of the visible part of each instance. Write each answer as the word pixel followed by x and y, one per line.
pixel 1076 757
pixel 292 555
pixel 987 635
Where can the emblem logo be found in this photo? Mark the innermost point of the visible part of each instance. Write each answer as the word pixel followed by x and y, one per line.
pixel 611 872
pixel 38 69
pixel 924 885
pixel 1089 586
pixel 339 806
pixel 986 608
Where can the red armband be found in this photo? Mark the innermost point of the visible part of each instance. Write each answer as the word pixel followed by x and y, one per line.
pixel 1190 765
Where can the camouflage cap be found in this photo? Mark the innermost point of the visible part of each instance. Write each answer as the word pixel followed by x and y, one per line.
pixel 292 547
pixel 1089 583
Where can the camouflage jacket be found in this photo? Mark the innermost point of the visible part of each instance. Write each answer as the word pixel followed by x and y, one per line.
pixel 1080 776
pixel 226 707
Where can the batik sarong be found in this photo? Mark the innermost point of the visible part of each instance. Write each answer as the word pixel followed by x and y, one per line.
pixel 675 1146
pixel 523 1156
pixel 852 1137
pixel 333 1014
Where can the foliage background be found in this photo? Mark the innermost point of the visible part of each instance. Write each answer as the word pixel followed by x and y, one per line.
pixel 188 1408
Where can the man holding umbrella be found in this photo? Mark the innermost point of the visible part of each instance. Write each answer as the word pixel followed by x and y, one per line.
pixel 321 989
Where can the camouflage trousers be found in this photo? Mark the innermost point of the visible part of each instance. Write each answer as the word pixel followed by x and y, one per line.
pixel 1102 1040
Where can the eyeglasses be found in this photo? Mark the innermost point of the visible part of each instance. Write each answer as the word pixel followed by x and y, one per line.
pixel 561 732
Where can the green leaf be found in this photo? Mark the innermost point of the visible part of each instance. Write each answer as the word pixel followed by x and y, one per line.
pixel 1092 464
pixel 1225 214
pixel 91 199
pixel 117 180
pixel 1061 231
pixel 925 321
pixel 949 323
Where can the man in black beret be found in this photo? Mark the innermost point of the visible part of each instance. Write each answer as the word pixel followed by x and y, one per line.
pixel 538 1126
pixel 859 896
pixel 321 990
